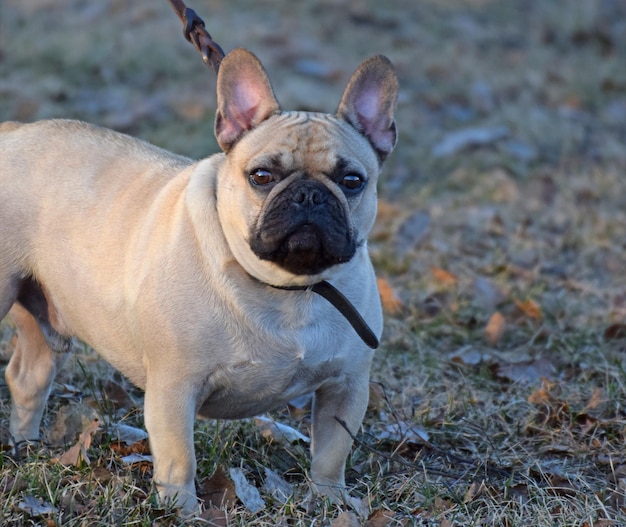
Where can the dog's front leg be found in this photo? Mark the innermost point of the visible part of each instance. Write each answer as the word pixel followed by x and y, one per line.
pixel 344 401
pixel 169 417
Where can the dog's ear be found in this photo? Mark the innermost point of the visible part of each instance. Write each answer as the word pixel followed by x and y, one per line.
pixel 369 103
pixel 244 97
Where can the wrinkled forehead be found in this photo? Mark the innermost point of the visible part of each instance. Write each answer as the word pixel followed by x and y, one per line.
pixel 311 142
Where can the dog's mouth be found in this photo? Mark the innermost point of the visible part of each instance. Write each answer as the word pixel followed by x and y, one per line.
pixel 304 237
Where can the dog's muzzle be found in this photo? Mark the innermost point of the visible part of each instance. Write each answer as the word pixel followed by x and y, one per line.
pixel 305 230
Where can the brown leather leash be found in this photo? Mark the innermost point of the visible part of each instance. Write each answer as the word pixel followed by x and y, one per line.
pixel 195 32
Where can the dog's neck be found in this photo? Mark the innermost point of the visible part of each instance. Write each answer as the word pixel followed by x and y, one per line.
pixel 341 304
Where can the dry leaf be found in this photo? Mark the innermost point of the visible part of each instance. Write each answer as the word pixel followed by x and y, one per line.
pixel 35 507
pixel 74 454
pixel 218 490
pixel 444 277
pixel 247 493
pixel 279 432
pixel 403 432
pixel 377 396
pixel 115 394
pixel 475 490
pixel 122 449
pixel 529 307
pixel 540 396
pixel 128 434
pixel 380 518
pixel 495 328
pixel 527 372
pixel 136 458
pixel 391 303
pixel 346 519
pixel 277 486
pixel 615 331
pixel 412 231
pixel 488 294
pixel 215 517
pixel 597 398
pixel 468 355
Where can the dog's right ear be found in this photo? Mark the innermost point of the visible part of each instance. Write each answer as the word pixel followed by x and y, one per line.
pixel 244 97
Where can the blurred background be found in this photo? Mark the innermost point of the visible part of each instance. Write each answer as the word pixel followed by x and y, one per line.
pixel 536 83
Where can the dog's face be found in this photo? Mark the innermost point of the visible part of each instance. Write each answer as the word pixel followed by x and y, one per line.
pixel 297 193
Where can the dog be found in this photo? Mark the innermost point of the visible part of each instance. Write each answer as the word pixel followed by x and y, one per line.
pixel 200 281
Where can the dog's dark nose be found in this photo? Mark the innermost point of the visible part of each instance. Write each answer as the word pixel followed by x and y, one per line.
pixel 310 193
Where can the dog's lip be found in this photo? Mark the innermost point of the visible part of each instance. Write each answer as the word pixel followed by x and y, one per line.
pixel 306 238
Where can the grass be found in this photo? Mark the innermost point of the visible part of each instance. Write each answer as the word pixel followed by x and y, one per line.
pixel 527 427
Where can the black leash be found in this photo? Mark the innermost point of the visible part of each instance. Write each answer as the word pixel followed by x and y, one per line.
pixel 341 304
pixel 195 32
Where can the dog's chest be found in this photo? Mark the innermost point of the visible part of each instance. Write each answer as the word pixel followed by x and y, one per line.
pixel 271 364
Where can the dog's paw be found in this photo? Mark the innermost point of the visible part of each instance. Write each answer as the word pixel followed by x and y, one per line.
pixel 337 495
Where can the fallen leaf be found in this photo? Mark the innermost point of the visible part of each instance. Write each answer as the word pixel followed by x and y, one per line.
pixel 542 394
pixel 412 231
pixel 122 449
pixel 444 277
pixel 70 420
pixel 488 294
pixel 442 504
pixel 277 486
pixel 135 458
pixel 495 328
pixel 597 398
pixel 74 454
pixel 216 517
pixel 403 432
pixel 390 301
pixel 218 490
pixel 128 434
pixel 247 493
pixel 376 399
pixel 346 519
pixel 380 518
pixel 35 507
pixel 454 142
pixel 529 307
pixel 474 491
pixel 615 331
pixel 468 355
pixel 116 395
pixel 527 372
pixel 279 432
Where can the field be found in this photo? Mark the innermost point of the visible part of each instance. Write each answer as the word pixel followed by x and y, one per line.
pixel 498 395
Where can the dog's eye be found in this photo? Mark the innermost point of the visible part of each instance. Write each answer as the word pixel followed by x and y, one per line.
pixel 261 177
pixel 352 181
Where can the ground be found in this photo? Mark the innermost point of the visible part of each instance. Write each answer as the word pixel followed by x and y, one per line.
pixel 499 391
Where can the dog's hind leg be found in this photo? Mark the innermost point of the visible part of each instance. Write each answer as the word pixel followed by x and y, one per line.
pixel 29 375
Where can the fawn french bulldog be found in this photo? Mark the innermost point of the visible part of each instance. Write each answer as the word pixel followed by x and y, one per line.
pixel 197 279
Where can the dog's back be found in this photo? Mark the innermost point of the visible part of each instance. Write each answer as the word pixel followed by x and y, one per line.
pixel 9 126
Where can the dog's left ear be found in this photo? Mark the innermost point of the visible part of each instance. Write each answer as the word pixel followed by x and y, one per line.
pixel 369 103
pixel 244 97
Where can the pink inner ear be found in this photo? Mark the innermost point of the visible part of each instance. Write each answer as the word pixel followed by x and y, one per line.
pixel 245 105
pixel 367 105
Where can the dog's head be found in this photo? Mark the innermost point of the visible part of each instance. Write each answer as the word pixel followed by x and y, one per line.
pixel 297 193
